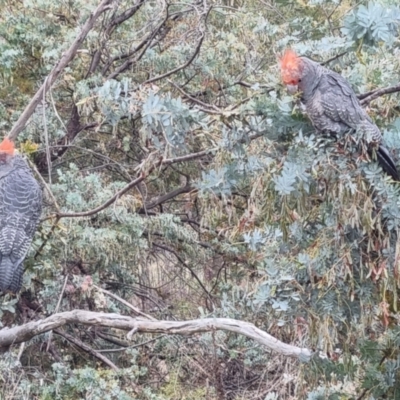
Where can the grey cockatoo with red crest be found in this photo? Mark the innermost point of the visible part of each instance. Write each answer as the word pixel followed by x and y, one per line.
pixel 20 210
pixel 331 103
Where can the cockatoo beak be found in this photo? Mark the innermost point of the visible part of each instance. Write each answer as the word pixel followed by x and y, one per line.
pixel 292 89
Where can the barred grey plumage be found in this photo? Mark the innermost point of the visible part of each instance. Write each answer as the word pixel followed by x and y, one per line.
pixel 20 210
pixel 331 103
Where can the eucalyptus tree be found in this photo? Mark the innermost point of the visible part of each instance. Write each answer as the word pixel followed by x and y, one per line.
pixel 183 182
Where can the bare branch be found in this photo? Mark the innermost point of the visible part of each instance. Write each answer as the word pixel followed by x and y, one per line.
pixel 367 97
pixel 123 17
pixel 124 348
pixel 23 333
pixel 44 183
pixel 187 266
pixel 124 302
pixel 106 204
pixel 249 85
pixel 145 44
pixel 194 100
pixel 334 58
pixel 57 69
pixel 115 21
pixel 135 182
pixel 86 348
pixel 188 62
pixel 168 196
pixel 56 310
pixel 94 153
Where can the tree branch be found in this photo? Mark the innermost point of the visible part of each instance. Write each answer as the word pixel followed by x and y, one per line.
pixel 124 302
pixel 182 261
pixel 168 196
pixel 145 44
pixel 194 100
pixel 86 348
pixel 23 333
pixel 57 69
pixel 106 204
pixel 74 127
pixel 334 58
pixel 142 177
pixel 367 97
pixel 125 15
pixel 188 62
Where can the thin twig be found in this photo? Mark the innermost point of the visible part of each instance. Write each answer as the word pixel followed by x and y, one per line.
pixel 44 183
pixel 94 153
pixel 168 196
pixel 363 393
pixel 129 305
pixel 135 182
pixel 334 58
pixel 177 69
pixel 86 348
pixel 21 350
pixel 131 347
pixel 199 102
pixel 187 63
pixel 182 261
pixel 104 205
pixel 145 45
pixel 53 227
pixel 46 133
pixel 56 310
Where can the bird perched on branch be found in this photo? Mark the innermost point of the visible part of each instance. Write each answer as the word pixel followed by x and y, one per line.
pixel 20 209
pixel 331 103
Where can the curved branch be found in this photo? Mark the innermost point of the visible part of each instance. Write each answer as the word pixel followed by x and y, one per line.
pixel 166 197
pixel 187 63
pixel 135 182
pixel 104 205
pixel 23 333
pixel 367 97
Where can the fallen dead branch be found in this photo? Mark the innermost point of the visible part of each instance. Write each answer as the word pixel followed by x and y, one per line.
pixel 23 333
